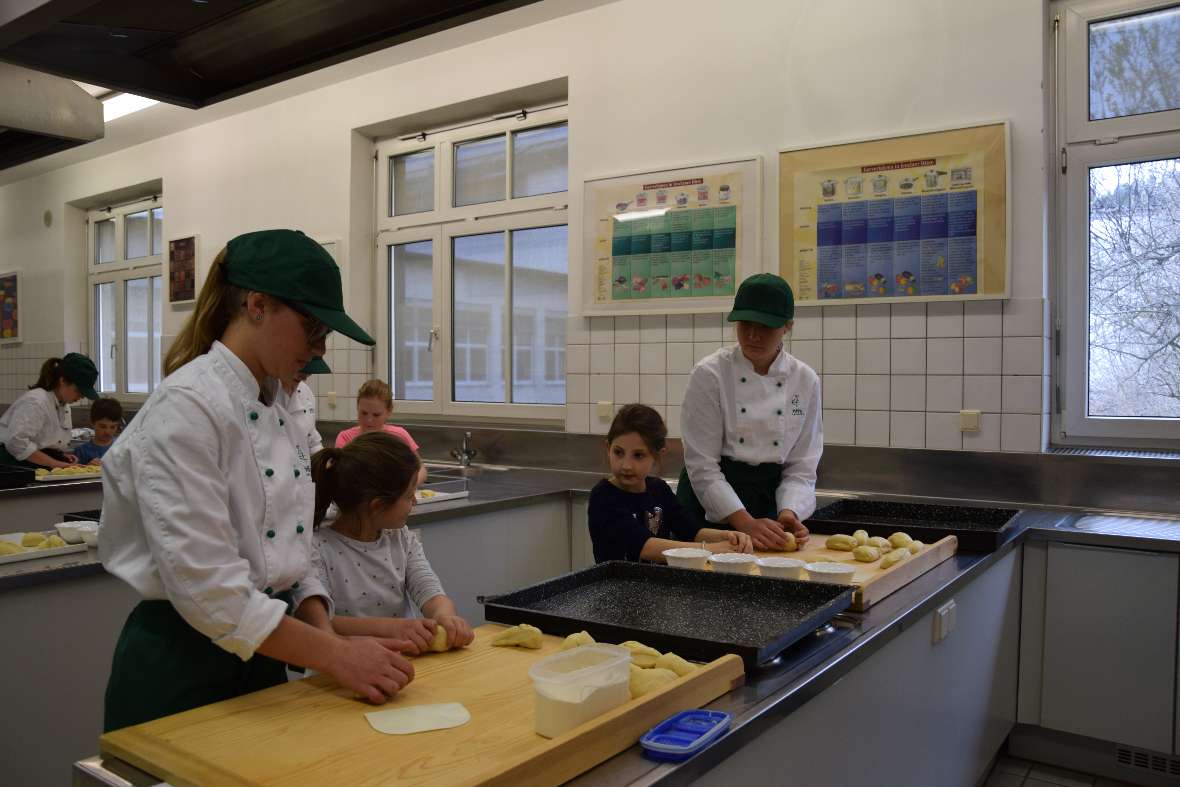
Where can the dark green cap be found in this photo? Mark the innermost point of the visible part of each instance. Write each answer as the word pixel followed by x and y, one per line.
pixel 289 265
pixel 316 366
pixel 765 299
pixel 80 370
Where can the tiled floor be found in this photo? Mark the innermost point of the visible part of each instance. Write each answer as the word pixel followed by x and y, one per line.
pixel 1011 772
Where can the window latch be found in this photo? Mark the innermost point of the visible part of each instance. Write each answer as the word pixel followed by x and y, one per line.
pixel 1106 140
pixel 430 340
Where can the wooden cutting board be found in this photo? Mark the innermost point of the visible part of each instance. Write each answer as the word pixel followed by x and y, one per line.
pixel 872 582
pixel 311 732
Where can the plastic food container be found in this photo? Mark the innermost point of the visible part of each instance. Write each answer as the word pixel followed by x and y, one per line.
pixel 832 573
pixel 733 562
pixel 69 532
pixel 88 532
pixel 682 735
pixel 575 686
pixel 781 567
pixel 687 557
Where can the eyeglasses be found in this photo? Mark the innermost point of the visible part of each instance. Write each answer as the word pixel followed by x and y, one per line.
pixel 316 330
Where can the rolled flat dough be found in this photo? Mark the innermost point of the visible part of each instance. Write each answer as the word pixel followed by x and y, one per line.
pixel 418 718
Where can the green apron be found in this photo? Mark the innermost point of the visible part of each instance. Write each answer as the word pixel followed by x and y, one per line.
pixel 755 486
pixel 162 665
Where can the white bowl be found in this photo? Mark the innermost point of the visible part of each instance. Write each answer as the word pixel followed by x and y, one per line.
pixel 781 567
pixel 733 562
pixel 69 532
pixel 832 573
pixel 89 533
pixel 687 557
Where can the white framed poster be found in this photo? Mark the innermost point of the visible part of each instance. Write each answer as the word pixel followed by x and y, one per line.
pixel 919 216
pixel 671 241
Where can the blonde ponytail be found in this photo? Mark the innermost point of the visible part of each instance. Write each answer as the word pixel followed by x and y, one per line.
pixel 217 304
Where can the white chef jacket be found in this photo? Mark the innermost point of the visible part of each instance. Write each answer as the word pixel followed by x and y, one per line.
pixel 731 410
pixel 301 405
pixel 208 503
pixel 34 421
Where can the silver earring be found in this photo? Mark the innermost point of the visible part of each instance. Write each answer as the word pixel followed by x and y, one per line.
pixel 258 317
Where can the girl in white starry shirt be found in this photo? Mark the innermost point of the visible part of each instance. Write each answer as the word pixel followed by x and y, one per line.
pixel 373 567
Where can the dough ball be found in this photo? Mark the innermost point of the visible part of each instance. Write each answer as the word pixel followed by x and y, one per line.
pixel 577 640
pixel 894 557
pixel 881 544
pixel 439 644
pixel 899 540
pixel 9 548
pixel 862 537
pixel 675 663
pixel 32 540
pixel 649 680
pixel 866 554
pixel 641 655
pixel 840 543
pixel 522 636
pixel 791 545
pixel 916 547
pixel 53 542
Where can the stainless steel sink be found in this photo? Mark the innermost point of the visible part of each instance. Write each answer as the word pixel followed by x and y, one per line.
pixel 440 471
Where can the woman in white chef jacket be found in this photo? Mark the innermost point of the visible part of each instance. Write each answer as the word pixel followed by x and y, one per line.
pixel 300 402
pixel 751 425
pixel 35 430
pixel 208 498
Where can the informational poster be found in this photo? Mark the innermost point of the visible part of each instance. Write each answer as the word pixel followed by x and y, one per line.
pixel 917 224
pixel 9 308
pixel 182 270
pixel 671 241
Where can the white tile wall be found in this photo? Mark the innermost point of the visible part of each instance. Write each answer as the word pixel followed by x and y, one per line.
pixel 892 374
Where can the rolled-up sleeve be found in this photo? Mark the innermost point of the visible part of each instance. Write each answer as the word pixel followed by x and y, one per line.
pixel 796 491
pixel 25 421
pixel 184 505
pixel 702 429
pixel 422 584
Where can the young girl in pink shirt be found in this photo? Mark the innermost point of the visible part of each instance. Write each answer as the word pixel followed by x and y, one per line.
pixel 374 405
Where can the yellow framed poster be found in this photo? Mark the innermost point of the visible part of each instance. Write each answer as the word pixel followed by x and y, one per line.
pixel 921 216
pixel 671 241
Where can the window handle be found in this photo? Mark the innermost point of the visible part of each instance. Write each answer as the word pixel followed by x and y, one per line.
pixel 112 352
pixel 430 340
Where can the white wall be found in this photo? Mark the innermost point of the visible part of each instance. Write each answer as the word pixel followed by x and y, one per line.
pixel 652 83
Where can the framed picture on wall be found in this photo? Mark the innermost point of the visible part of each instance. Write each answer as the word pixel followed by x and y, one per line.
pixel 671 241
pixel 10 322
pixel 913 217
pixel 182 270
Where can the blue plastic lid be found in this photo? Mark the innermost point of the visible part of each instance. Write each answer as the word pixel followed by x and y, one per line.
pixel 681 736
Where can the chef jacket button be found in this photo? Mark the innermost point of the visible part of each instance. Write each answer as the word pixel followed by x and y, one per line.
pixel 282 422
pixel 295 586
pixel 253 416
pixel 743 379
pixel 269 472
pixel 296 472
pixel 298 528
pixel 778 385
pixel 776 443
pixel 269 590
pixel 270 534
pixel 743 409
pixel 780 412
pixel 741 439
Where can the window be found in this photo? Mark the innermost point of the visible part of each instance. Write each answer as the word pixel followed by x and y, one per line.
pixel 126 299
pixel 1117 234
pixel 472 232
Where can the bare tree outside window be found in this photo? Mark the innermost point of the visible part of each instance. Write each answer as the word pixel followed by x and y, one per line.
pixel 1134 290
pixel 1135 64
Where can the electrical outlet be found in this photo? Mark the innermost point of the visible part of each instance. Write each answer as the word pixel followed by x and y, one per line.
pixel 970 420
pixel 606 409
pixel 331 398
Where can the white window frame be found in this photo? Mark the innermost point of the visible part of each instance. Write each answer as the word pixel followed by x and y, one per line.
pixel 120 271
pixel 441 226
pixel 1081 144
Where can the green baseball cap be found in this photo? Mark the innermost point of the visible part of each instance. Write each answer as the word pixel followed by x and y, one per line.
pixel 289 265
pixel 80 370
pixel 765 299
pixel 316 365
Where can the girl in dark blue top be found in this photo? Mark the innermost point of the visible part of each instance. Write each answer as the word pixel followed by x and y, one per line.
pixel 635 516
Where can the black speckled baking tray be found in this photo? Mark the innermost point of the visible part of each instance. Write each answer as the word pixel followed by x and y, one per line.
pixel 978 529
pixel 701 615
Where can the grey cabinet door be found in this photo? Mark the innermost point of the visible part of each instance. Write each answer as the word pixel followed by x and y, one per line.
pixel 1109 668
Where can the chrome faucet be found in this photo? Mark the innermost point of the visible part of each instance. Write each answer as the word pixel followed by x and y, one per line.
pixel 465 453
